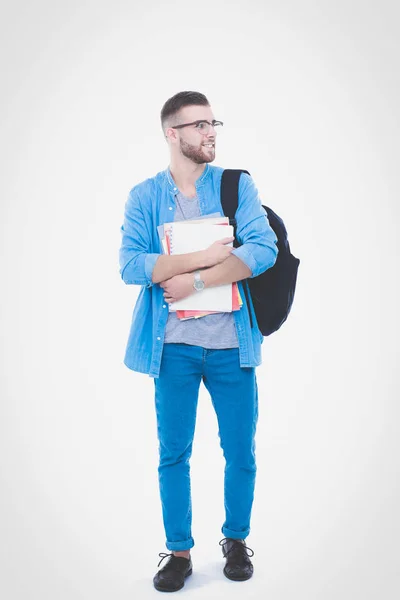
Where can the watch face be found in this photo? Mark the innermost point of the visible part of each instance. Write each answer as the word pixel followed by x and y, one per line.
pixel 199 285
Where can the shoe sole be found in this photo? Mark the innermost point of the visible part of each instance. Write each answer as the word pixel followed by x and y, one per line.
pixel 161 589
pixel 237 578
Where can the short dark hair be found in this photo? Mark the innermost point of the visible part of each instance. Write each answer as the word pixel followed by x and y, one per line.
pixel 178 101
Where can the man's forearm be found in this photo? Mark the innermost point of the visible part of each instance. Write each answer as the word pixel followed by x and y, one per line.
pixel 230 270
pixel 168 266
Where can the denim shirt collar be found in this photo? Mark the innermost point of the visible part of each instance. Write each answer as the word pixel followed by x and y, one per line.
pixel 199 181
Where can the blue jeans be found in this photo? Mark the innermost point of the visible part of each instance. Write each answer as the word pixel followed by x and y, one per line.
pixel 234 395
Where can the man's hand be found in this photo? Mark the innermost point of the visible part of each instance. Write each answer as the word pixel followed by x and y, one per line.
pixel 178 287
pixel 218 252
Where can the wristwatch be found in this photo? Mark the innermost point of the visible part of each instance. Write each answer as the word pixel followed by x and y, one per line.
pixel 198 282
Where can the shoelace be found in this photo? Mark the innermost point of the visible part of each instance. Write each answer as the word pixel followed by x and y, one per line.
pixel 170 564
pixel 238 547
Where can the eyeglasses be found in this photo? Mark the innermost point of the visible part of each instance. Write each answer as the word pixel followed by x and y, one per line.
pixel 202 126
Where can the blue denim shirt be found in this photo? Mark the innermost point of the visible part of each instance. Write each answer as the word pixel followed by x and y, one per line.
pixel 152 203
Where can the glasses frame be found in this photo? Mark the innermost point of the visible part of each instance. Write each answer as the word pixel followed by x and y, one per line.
pixel 212 123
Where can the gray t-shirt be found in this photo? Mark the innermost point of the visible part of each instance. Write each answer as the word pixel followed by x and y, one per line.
pixel 212 331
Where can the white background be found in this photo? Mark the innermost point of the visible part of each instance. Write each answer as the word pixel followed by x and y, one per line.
pixel 309 94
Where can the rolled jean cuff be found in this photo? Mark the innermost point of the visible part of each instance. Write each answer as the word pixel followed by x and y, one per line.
pixel 180 546
pixel 235 535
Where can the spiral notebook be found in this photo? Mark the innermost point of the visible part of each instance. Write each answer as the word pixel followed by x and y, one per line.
pixel 209 218
pixel 199 236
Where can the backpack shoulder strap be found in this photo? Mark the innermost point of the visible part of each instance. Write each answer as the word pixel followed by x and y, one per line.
pixel 230 192
pixel 230 202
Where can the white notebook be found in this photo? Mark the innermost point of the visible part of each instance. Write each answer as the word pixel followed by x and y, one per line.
pixel 191 238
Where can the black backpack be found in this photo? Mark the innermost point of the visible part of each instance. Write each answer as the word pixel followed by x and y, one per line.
pixel 272 292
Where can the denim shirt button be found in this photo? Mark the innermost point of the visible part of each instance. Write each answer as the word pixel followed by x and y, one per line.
pixel 164 306
pixel 170 207
pixel 159 338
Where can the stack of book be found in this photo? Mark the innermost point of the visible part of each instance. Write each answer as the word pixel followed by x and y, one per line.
pixel 192 235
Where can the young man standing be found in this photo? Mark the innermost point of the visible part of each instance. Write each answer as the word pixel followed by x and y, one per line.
pixel 220 349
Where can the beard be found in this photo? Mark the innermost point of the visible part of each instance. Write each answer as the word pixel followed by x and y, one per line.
pixel 197 154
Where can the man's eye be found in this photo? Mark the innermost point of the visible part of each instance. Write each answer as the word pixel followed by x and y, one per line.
pixel 201 125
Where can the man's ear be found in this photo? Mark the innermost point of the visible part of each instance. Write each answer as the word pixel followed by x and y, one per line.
pixel 172 136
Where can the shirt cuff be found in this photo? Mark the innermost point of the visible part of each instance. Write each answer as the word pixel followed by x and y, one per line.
pixel 149 263
pixel 244 255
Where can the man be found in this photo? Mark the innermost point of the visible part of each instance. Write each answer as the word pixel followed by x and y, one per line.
pixel 220 349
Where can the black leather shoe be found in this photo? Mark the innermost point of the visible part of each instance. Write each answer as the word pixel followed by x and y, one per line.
pixel 171 577
pixel 238 566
